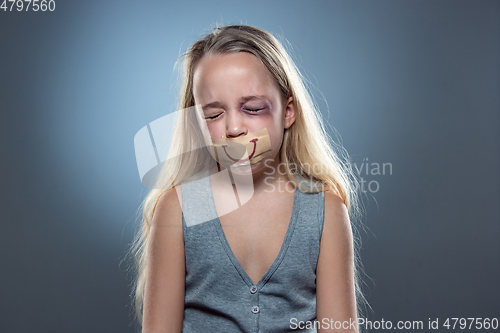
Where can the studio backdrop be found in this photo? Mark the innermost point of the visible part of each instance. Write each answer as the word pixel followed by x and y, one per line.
pixel 412 88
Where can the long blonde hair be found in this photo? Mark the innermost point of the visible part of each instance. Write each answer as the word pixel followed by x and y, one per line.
pixel 307 149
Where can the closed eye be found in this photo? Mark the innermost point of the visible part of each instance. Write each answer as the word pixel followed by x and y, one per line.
pixel 214 116
pixel 254 110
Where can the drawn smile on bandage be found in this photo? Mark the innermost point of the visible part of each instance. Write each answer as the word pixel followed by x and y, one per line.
pixel 233 151
pixel 254 141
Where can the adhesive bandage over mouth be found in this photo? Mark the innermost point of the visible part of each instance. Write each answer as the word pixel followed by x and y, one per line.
pixel 249 149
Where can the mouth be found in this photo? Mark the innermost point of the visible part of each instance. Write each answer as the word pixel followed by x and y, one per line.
pixel 254 141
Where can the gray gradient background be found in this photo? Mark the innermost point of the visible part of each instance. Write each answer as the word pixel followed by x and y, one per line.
pixel 411 83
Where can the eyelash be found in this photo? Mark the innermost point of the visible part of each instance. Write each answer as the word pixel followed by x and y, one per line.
pixel 213 117
pixel 254 110
pixel 249 110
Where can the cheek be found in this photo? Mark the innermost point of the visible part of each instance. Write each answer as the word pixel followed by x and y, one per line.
pixel 216 129
pixel 275 127
pixel 276 140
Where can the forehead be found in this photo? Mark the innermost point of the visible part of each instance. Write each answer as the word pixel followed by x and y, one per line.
pixel 232 75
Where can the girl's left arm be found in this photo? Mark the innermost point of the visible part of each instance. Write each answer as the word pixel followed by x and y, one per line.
pixel 335 288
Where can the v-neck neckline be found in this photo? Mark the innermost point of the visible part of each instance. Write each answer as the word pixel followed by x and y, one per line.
pixel 281 254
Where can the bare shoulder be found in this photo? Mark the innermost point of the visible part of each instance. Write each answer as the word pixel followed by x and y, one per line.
pixel 168 209
pixel 335 291
pixel 337 232
pixel 165 269
pixel 336 213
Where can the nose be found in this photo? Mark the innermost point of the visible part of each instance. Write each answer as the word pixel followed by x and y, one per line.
pixel 235 125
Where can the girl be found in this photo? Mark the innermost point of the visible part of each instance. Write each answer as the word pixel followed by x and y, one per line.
pixel 273 250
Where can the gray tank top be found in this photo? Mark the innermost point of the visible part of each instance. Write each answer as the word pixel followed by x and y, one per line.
pixel 221 297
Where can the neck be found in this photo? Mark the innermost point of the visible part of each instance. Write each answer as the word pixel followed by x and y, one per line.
pixel 267 176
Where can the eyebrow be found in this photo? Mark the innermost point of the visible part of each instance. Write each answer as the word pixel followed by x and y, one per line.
pixel 244 99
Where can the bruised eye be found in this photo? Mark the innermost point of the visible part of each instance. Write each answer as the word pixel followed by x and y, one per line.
pixel 253 109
